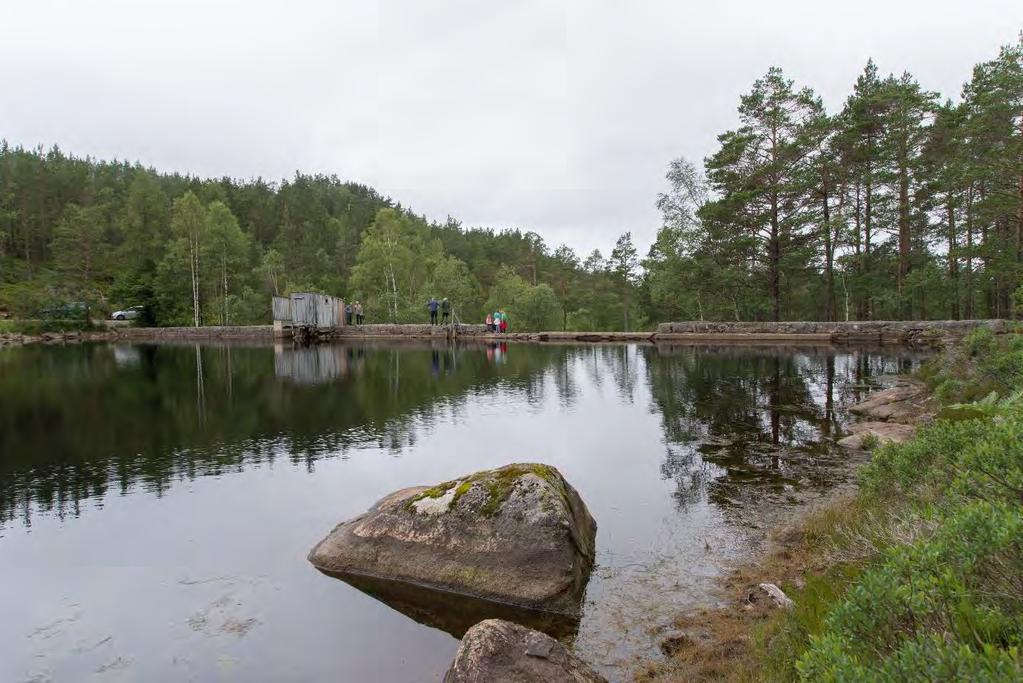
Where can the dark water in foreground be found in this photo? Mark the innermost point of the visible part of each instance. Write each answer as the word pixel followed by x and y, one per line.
pixel 157 502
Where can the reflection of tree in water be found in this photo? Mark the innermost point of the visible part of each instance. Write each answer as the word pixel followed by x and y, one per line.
pixel 79 421
pixel 742 424
pixel 615 361
pixel 690 473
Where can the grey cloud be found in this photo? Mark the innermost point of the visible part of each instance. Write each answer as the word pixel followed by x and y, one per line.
pixel 558 117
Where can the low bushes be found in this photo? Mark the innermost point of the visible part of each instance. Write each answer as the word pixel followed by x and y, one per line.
pixel 38 327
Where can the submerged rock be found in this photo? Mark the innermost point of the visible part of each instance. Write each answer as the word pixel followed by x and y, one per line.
pixel 674 642
pixel 518 535
pixel 500 651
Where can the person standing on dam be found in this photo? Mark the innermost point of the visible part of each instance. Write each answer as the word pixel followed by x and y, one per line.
pixel 445 311
pixel 432 305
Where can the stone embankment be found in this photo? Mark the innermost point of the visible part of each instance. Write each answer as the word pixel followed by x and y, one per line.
pixel 924 334
pixel 916 333
pixel 254 332
pixel 146 334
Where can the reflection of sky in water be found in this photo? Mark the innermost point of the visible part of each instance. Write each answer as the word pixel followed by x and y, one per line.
pixel 257 457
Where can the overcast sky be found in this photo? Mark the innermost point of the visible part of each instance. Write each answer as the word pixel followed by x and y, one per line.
pixel 558 117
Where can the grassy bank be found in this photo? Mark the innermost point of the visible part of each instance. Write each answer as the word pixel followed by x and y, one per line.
pixel 919 575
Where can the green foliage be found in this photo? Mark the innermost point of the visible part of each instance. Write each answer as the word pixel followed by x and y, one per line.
pixel 23 299
pixel 248 308
pixel 393 268
pixel 529 308
pixel 195 251
pixel 983 364
pixel 943 609
pixel 37 327
pixel 782 641
pixel 869 442
pixel 895 207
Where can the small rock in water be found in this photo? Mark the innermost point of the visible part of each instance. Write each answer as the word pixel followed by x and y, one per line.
pixel 496 650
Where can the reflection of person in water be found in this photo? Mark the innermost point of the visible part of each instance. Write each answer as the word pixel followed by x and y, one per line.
pixel 435 362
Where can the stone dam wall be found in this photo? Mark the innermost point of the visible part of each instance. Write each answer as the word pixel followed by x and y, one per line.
pixel 252 332
pixel 921 333
pixel 906 333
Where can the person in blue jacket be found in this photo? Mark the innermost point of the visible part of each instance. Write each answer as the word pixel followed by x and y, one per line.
pixel 432 305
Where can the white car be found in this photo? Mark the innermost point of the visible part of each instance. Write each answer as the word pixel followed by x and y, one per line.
pixel 128 314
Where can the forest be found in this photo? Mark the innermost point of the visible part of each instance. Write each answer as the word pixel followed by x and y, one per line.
pixel 900 205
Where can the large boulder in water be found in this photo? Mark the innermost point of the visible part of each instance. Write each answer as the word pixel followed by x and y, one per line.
pixel 499 651
pixel 519 535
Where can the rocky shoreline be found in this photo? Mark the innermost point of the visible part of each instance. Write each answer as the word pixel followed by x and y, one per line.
pixel 709 642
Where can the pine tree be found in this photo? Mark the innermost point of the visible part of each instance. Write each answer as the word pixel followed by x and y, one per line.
pixel 759 172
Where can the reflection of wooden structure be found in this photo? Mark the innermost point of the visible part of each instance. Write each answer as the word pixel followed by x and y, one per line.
pixel 307 311
pixel 311 365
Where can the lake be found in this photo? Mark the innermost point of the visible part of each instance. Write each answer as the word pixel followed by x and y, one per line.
pixel 157 502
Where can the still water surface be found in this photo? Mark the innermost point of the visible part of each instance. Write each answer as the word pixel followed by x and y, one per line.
pixel 157 502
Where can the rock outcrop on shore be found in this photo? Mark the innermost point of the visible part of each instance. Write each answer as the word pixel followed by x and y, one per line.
pixel 863 434
pixel 518 535
pixel 496 651
pixel 892 415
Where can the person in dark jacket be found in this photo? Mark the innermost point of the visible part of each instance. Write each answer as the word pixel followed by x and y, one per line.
pixel 432 305
pixel 445 311
pixel 348 314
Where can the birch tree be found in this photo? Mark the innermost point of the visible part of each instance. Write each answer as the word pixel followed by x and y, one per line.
pixel 189 224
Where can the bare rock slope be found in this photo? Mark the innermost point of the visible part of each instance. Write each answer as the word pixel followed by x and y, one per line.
pixel 892 415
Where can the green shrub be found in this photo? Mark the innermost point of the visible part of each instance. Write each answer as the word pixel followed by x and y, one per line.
pixel 979 341
pixel 961 585
pixel 982 364
pixel 37 327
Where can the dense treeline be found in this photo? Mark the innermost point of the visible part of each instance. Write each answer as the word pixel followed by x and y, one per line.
pixel 897 206
pixel 197 251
